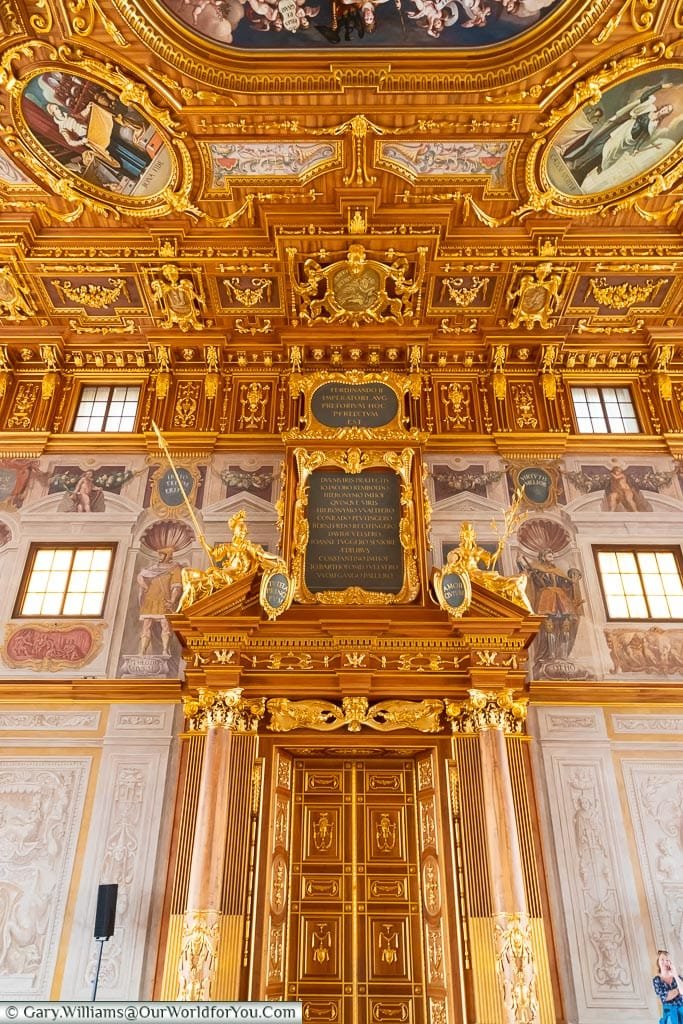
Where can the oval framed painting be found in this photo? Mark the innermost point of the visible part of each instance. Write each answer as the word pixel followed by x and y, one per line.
pixel 78 130
pixel 615 147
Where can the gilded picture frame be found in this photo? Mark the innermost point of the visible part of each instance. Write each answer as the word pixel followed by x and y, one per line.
pixel 127 107
pixel 588 141
pixel 429 68
pixel 355 461
pixel 310 387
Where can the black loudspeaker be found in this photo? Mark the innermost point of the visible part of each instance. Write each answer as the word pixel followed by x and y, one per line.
pixel 105 915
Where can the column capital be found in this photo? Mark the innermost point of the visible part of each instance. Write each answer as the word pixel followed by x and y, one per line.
pixel 483 711
pixel 223 709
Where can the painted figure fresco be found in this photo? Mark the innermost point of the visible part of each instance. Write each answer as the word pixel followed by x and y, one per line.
pixel 149 647
pixel 634 127
pixel 654 651
pixel 303 24
pixel 554 593
pixel 84 489
pixel 259 481
pixel 15 477
pixel 90 133
pixel 449 159
pixel 267 159
pixel 622 485
pixel 473 478
pixel 159 588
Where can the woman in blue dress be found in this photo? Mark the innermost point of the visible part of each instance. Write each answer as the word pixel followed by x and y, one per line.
pixel 668 987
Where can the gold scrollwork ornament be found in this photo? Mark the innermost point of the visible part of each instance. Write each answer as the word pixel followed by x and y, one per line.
pixel 15 298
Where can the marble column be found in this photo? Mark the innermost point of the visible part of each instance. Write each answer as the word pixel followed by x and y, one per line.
pixel 491 716
pixel 230 723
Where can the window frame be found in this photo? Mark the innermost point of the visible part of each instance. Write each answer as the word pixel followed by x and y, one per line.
pixel 111 387
pixel 600 388
pixel 33 550
pixel 636 549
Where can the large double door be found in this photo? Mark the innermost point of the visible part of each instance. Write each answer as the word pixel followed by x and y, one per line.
pixel 357 913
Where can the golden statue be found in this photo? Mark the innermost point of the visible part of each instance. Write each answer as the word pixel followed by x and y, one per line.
pixel 466 558
pixel 15 298
pixel 232 561
pixel 178 300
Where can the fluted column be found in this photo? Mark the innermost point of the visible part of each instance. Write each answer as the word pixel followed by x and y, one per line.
pixel 491 716
pixel 230 724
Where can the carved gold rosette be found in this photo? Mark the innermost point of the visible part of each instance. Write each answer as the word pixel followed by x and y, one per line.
pixel 198 955
pixel 515 968
pixel 483 711
pixel 223 709
pixel 353 460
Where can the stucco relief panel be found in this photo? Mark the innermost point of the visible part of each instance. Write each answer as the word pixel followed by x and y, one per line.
pixel 655 797
pixel 597 888
pixel 122 848
pixel 41 803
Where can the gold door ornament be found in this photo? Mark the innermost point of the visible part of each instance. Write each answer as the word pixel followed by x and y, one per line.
pixel 355 712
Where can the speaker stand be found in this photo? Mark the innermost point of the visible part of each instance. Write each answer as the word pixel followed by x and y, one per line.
pixel 97 970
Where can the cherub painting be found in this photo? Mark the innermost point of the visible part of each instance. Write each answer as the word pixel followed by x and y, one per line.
pixel 406 24
pixel 622 486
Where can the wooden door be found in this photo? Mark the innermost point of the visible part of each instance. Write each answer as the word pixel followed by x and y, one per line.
pixel 355 948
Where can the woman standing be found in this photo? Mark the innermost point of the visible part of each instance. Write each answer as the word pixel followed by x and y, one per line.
pixel 668 987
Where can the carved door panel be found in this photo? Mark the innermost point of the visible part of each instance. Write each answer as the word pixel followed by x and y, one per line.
pixel 355 944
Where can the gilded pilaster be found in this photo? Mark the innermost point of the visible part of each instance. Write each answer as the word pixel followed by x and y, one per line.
pixel 508 933
pixel 213 922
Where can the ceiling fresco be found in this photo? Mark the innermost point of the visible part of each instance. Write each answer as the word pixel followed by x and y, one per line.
pixel 399 24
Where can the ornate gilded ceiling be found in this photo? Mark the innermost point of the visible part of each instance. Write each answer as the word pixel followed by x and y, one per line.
pixel 486 184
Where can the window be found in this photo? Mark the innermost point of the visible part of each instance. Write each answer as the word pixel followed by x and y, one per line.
pixel 66 580
pixel 107 409
pixel 604 411
pixel 641 584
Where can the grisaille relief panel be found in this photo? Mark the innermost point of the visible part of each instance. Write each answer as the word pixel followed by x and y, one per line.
pixel 42 800
pixel 596 886
pixel 619 900
pixel 655 792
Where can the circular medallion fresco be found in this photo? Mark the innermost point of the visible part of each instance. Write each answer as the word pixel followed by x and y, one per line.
pixel 360 24
pixel 86 130
pixel 604 146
